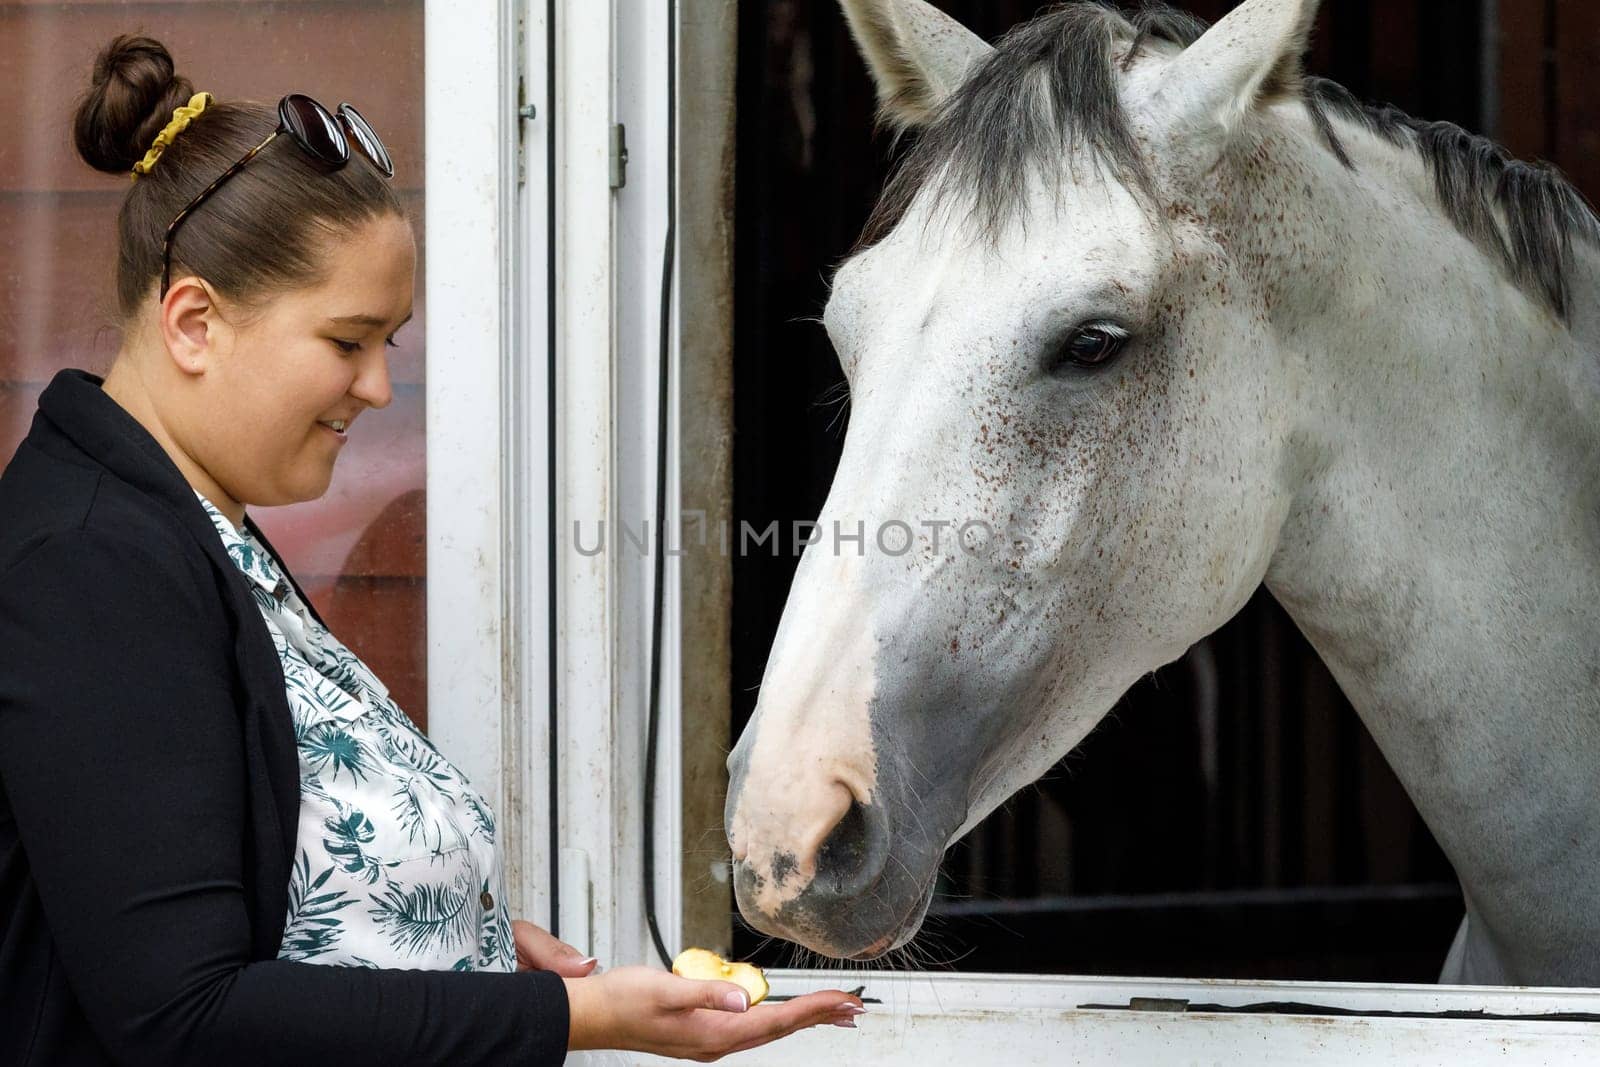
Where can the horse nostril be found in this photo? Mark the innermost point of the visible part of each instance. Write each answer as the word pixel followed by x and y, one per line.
pixel 844 852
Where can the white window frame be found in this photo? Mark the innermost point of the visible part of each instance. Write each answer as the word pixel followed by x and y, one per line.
pixel 487 395
pixel 489 388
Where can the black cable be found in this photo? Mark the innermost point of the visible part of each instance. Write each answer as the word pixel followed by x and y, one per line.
pixel 553 617
pixel 661 490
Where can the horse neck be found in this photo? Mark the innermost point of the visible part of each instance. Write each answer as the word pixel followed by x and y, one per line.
pixel 1442 551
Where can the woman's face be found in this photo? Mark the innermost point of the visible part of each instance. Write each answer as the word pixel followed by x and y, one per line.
pixel 313 358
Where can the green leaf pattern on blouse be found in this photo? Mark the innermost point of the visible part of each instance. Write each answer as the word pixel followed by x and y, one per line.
pixel 396 863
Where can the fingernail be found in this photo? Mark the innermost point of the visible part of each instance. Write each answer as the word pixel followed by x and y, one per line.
pixel 586 962
pixel 848 1024
pixel 737 1002
pixel 848 1008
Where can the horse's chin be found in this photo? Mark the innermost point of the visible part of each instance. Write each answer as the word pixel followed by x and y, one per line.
pixel 842 938
pixel 886 945
pixel 904 933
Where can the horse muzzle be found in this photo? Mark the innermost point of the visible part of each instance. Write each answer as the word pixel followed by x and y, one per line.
pixel 835 883
pixel 840 899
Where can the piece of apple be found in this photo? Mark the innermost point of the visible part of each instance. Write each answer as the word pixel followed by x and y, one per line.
pixel 705 965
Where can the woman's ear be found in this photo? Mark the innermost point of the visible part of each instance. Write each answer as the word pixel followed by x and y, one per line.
pixel 191 328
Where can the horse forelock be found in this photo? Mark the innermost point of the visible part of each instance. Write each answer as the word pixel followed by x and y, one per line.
pixel 1049 90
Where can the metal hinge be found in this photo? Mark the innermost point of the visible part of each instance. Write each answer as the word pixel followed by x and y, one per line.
pixel 525 110
pixel 619 156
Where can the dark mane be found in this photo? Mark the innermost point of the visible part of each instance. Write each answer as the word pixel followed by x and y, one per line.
pixel 1473 176
pixel 1049 90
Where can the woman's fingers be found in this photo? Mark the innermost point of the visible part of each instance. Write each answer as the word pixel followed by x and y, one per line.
pixel 765 1024
pixel 690 993
pixel 814 1008
pixel 539 950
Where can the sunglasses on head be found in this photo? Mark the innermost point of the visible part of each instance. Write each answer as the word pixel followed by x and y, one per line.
pixel 324 136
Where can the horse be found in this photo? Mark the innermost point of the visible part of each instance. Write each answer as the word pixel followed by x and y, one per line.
pixel 1147 317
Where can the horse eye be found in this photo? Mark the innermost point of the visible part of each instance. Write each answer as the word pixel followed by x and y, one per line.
pixel 1091 345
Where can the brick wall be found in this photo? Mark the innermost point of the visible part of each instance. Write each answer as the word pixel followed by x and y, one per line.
pixel 359 550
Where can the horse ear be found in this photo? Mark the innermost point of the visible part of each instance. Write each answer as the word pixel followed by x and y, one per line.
pixel 917 55
pixel 1251 56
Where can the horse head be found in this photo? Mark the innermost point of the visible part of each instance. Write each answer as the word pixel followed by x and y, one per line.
pixel 1064 463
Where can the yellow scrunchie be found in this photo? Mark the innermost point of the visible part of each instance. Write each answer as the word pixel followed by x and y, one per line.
pixel 180 122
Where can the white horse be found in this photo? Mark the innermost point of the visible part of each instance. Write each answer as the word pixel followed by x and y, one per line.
pixel 1150 318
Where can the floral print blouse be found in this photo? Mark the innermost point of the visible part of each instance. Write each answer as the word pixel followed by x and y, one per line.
pixel 395 860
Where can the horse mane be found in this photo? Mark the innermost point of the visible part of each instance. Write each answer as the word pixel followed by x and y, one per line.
pixel 1050 88
pixel 1473 176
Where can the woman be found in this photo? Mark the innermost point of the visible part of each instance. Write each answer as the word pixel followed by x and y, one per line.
pixel 220 840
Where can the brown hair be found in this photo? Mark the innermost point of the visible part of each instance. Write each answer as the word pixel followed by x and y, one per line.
pixel 263 233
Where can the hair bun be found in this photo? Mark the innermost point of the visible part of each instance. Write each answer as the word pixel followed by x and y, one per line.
pixel 132 95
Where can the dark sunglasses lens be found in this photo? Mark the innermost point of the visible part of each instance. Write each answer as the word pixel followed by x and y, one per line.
pixel 315 129
pixel 366 140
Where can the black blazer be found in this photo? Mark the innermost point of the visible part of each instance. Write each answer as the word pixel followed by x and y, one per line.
pixel 149 794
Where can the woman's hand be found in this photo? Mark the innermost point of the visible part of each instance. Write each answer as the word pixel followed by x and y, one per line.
pixel 642 1009
pixel 538 950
